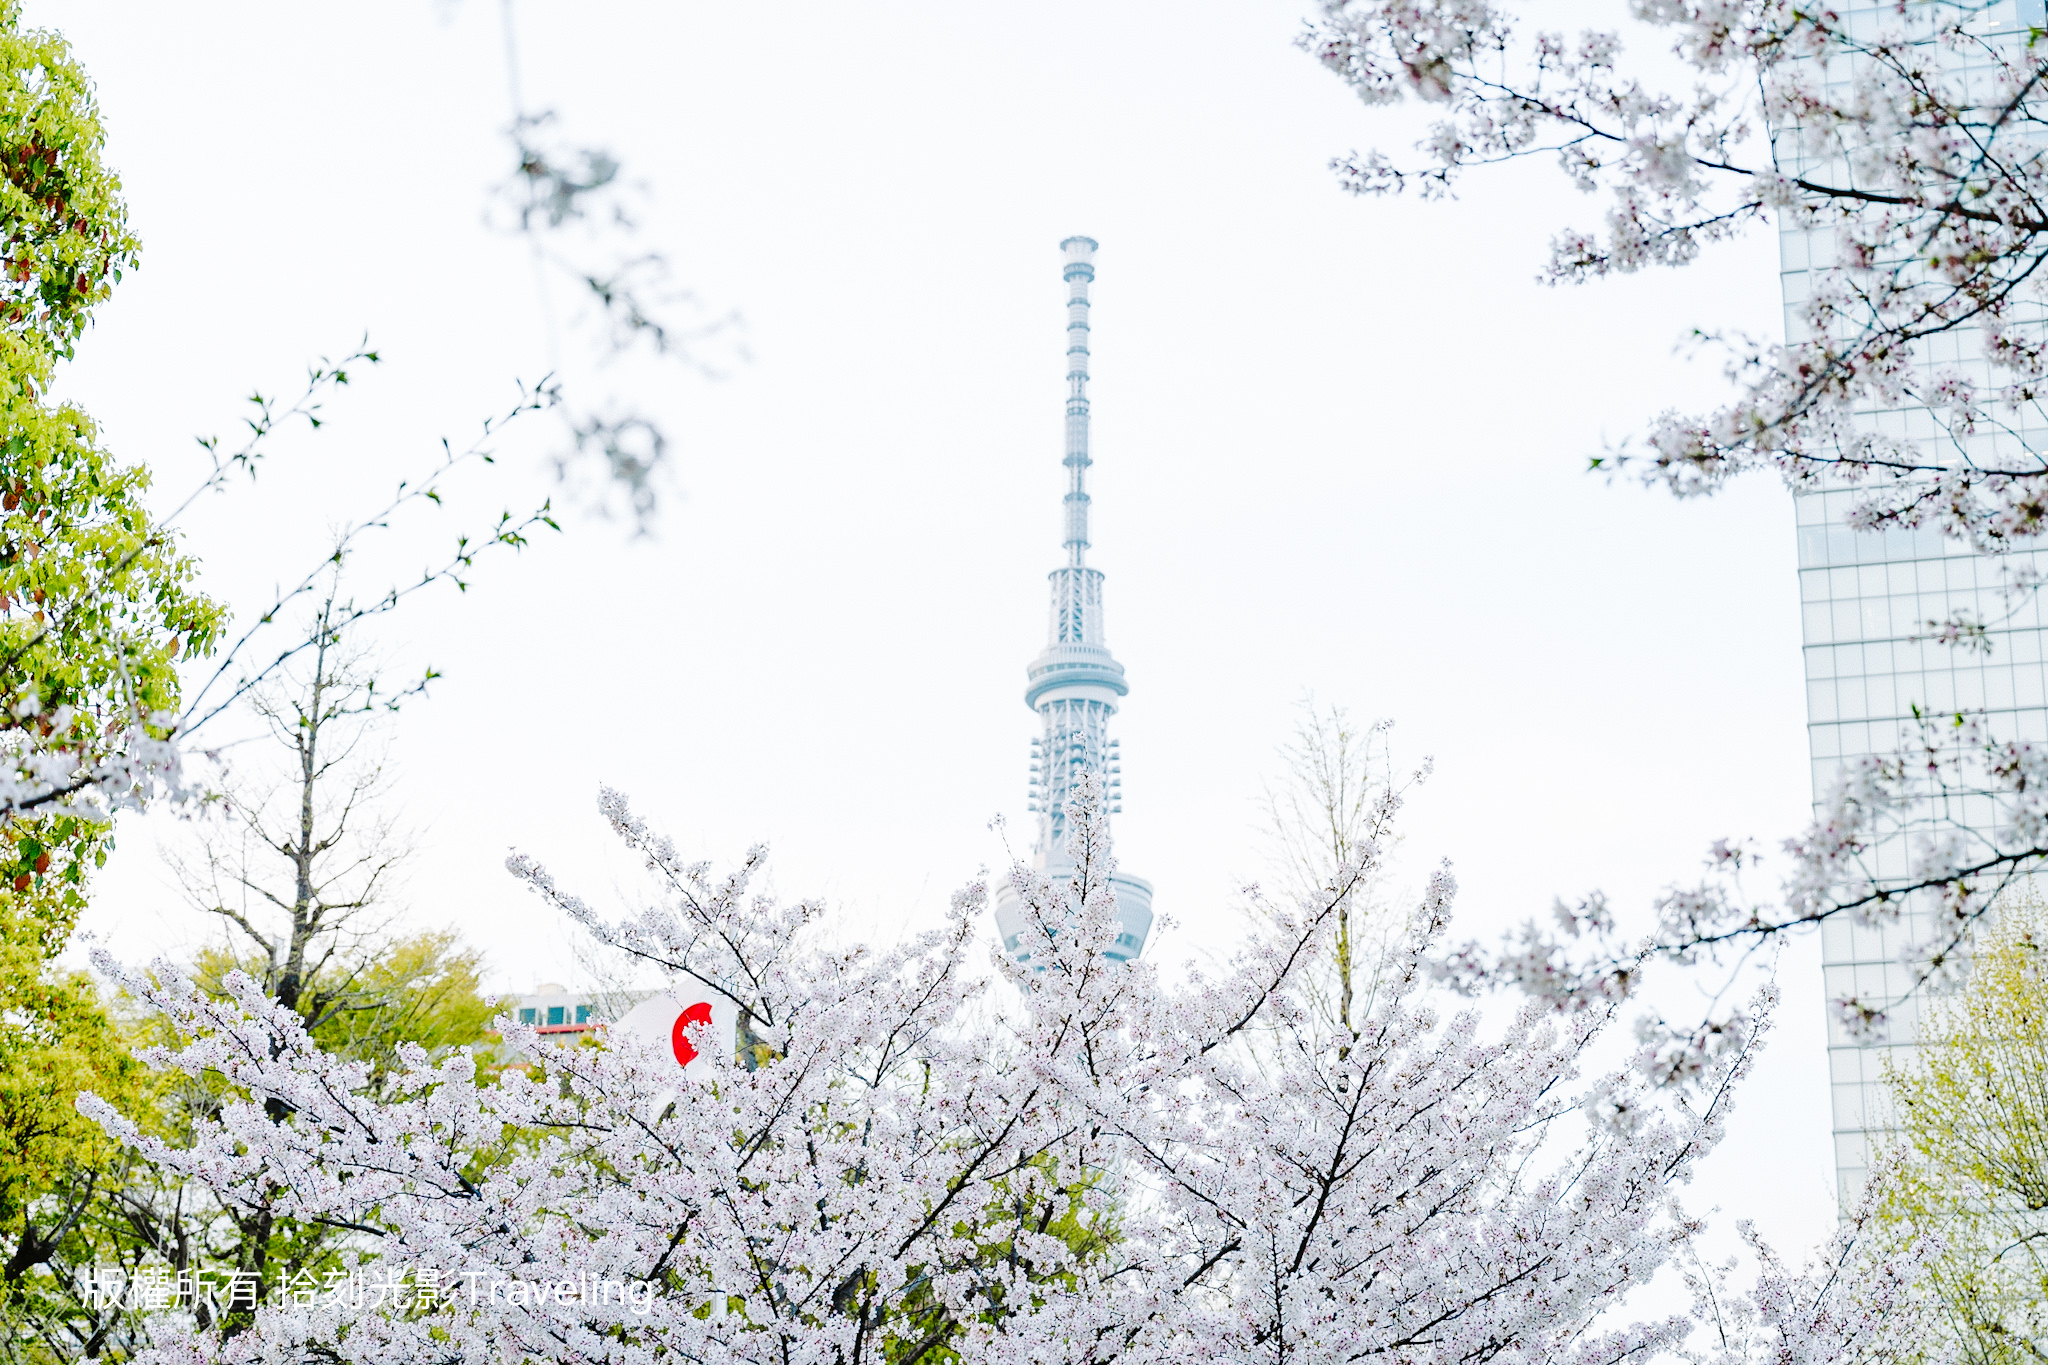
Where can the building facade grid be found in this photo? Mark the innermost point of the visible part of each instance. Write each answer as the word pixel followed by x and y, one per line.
pixel 1868 601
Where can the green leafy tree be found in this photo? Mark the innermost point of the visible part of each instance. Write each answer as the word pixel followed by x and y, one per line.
pixel 1971 1176
pixel 424 988
pixel 60 1176
pixel 97 608
pixel 96 598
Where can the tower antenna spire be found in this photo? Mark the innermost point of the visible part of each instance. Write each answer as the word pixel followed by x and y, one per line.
pixel 1075 683
pixel 1080 273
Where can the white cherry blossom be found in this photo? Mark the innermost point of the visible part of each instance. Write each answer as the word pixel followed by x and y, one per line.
pixel 935 1145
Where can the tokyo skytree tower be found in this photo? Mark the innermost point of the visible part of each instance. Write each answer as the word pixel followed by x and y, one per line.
pixel 1075 684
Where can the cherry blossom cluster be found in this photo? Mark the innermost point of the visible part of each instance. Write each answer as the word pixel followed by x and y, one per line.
pixel 1902 144
pixel 122 770
pixel 1843 1306
pixel 936 1147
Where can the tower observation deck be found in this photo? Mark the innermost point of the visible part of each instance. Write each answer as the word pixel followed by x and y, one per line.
pixel 1075 683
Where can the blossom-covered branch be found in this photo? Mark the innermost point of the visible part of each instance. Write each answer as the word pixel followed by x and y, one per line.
pixel 1925 840
pixel 1904 144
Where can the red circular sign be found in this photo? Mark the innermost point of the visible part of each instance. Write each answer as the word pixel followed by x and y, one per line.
pixel 699 1013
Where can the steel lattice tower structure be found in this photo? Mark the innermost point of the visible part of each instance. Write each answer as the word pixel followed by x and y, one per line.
pixel 1075 684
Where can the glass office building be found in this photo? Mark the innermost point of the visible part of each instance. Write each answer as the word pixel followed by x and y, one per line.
pixel 1867 601
pixel 1864 598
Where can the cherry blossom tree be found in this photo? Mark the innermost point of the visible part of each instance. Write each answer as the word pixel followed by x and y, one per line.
pixel 1899 148
pixel 934 1152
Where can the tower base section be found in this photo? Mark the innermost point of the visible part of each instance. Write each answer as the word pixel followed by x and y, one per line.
pixel 1133 913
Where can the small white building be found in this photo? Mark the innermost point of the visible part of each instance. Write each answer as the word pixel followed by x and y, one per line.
pixel 553 1008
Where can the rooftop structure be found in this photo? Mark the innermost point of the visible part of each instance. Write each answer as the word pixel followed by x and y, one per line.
pixel 556 1010
pixel 1075 683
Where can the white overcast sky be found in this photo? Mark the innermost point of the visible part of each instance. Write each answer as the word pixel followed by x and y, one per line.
pixel 1340 447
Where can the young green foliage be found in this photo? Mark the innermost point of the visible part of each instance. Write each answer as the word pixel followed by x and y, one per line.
pixel 424 988
pixel 1032 1202
pixel 1972 1176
